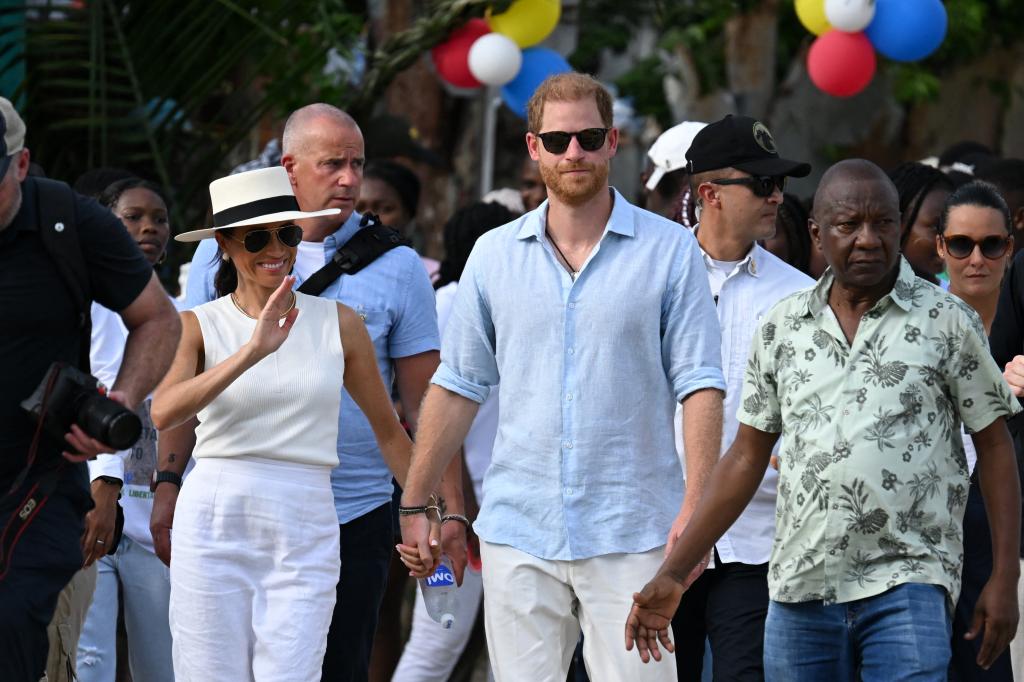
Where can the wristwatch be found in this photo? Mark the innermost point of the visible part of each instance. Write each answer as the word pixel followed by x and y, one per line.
pixel 165 477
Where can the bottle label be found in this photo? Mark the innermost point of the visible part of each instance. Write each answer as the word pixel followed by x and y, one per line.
pixel 442 577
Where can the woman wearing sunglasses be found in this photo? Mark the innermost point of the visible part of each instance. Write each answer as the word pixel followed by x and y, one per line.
pixel 256 554
pixel 975 242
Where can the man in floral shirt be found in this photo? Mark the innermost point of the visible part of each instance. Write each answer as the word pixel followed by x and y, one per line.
pixel 867 376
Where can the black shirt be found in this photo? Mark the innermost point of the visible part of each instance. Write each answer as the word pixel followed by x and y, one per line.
pixel 1007 341
pixel 39 317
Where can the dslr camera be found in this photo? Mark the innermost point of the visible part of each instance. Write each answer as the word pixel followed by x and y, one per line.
pixel 69 396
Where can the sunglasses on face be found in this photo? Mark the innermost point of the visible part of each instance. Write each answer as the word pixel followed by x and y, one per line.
pixel 760 185
pixel 961 246
pixel 255 241
pixel 557 141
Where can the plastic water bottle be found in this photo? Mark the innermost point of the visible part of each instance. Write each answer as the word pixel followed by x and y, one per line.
pixel 439 593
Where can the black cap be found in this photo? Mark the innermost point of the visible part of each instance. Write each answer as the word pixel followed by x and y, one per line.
pixel 743 143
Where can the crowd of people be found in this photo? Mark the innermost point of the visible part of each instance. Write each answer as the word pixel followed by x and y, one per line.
pixel 740 435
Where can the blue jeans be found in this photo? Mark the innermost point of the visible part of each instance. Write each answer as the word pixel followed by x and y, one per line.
pixel 899 635
pixel 146 588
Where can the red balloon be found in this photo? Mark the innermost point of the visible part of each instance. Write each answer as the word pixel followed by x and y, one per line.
pixel 451 58
pixel 841 64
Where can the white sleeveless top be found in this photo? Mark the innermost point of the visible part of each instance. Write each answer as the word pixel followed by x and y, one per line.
pixel 285 407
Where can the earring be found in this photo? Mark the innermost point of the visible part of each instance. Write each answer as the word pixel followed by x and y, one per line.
pixel 224 257
pixel 163 257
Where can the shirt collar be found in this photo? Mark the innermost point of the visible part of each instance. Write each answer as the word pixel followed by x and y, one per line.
pixel 902 292
pixel 345 232
pixel 752 263
pixel 621 221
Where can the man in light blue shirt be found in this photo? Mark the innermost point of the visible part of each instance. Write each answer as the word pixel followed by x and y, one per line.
pixel 323 153
pixel 596 319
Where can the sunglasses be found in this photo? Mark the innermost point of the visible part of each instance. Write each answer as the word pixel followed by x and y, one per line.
pixel 590 139
pixel 961 246
pixel 760 185
pixel 255 241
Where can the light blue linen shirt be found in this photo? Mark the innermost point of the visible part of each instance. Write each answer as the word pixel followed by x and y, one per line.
pixel 584 463
pixel 396 301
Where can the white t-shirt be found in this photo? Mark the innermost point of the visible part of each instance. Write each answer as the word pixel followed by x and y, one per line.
pixel 135 466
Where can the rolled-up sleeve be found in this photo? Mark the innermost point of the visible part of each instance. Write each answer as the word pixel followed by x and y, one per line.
pixel 468 365
pixel 691 342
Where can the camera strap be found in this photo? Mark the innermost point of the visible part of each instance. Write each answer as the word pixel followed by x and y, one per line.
pixel 372 241
pixel 24 513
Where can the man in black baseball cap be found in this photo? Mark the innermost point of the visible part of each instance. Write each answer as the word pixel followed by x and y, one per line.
pixel 737 178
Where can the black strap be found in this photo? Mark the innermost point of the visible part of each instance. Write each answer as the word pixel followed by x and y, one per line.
pixel 24 512
pixel 59 234
pixel 373 240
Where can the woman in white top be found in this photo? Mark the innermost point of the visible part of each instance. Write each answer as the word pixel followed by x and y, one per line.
pixel 256 555
pixel 976 242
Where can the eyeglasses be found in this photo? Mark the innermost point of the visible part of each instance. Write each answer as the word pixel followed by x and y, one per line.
pixel 590 139
pixel 760 185
pixel 256 240
pixel 961 246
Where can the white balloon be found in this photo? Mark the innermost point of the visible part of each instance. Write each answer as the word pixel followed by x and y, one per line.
pixel 850 16
pixel 494 59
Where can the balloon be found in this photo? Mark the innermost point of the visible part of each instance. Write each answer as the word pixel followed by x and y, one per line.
pixel 850 16
pixel 538 64
pixel 908 30
pixel 812 15
pixel 494 59
pixel 841 64
pixel 451 58
pixel 527 21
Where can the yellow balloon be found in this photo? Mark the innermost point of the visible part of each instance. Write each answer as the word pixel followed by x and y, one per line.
pixel 812 15
pixel 528 22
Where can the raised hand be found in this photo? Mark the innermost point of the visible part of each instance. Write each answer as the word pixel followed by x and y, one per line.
pixel 273 324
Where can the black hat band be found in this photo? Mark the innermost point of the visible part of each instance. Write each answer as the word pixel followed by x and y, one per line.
pixel 253 209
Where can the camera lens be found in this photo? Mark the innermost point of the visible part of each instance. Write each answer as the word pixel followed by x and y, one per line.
pixel 109 422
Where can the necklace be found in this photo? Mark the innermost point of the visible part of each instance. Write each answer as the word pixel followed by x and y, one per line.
pixel 573 272
pixel 242 310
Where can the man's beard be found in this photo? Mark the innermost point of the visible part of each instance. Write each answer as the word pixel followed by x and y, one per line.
pixel 575 190
pixel 7 217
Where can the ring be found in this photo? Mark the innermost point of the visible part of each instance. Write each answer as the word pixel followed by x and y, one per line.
pixel 100 542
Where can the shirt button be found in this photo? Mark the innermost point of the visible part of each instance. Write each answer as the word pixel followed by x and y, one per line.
pixel 572 351
pixel 846 413
pixel 567 445
pixel 568 396
pixel 568 491
pixel 572 306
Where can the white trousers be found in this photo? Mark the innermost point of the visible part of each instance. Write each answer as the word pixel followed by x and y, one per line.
pixel 534 610
pixel 254 570
pixel 431 653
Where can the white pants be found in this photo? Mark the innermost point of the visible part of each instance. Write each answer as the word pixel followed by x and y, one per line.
pixel 534 610
pixel 254 568
pixel 431 653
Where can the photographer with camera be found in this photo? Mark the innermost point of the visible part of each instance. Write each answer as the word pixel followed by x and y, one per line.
pixel 58 253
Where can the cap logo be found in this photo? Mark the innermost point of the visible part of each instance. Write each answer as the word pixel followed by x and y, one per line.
pixel 764 138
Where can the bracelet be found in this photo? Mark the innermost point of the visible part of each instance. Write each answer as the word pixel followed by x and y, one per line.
pixel 410 511
pixel 457 517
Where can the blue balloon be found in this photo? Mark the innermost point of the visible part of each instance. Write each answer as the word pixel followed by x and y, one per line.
pixel 538 64
pixel 908 30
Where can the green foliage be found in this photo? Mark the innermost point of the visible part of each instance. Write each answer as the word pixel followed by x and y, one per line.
pixel 643 83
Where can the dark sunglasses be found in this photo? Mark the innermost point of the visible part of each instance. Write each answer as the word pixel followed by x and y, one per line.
pixel 255 241
pixel 761 185
pixel 961 246
pixel 590 139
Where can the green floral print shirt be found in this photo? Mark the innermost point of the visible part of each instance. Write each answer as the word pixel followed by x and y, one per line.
pixel 873 478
